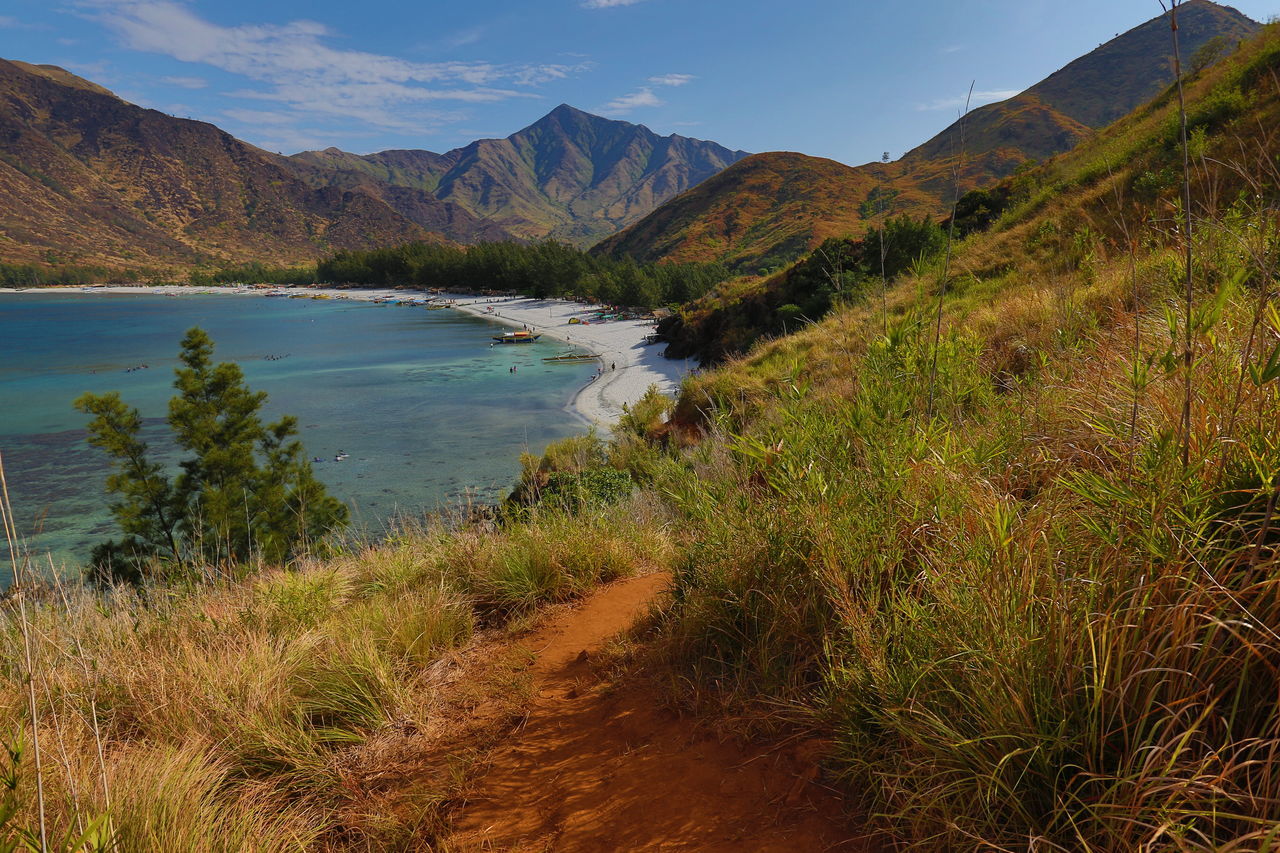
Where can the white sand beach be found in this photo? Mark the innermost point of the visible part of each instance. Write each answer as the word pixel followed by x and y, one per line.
pixel 629 365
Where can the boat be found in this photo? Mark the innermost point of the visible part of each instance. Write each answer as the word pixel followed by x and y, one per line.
pixel 522 337
pixel 572 357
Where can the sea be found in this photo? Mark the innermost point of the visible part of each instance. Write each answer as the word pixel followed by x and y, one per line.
pixel 404 411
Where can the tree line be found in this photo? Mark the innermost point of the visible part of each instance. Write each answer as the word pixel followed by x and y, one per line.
pixel 35 275
pixel 542 270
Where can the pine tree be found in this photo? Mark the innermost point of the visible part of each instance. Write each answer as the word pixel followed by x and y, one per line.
pixel 244 493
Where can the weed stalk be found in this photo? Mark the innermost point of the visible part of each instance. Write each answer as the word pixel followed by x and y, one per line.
pixel 946 262
pixel 11 536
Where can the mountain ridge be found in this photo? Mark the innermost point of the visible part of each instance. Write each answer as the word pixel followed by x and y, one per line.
pixel 1046 119
pixel 86 177
pixel 570 175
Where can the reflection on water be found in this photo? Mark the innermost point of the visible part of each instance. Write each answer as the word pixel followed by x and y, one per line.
pixel 421 404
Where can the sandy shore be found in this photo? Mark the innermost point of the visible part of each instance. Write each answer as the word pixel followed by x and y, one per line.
pixel 629 365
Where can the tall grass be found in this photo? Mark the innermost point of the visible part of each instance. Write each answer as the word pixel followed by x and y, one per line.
pixel 244 716
pixel 1046 615
pixel 1016 639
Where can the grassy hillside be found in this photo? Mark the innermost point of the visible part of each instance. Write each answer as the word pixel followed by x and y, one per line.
pixel 772 208
pixel 1029 603
pixel 332 706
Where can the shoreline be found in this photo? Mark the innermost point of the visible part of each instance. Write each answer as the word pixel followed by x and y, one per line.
pixel 629 365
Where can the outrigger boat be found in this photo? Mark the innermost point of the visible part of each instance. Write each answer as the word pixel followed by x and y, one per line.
pixel 570 358
pixel 521 337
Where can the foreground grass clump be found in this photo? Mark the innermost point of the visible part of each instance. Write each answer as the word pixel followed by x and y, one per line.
pixel 253 715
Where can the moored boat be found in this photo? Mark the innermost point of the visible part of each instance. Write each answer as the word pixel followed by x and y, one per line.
pixel 572 357
pixel 522 337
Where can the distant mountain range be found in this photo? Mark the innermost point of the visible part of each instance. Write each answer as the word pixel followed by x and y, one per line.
pixel 769 208
pixel 571 175
pixel 88 178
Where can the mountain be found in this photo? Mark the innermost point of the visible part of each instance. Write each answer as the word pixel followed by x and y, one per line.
pixel 416 204
pixel 571 175
pixel 86 177
pixel 1046 119
pixel 759 212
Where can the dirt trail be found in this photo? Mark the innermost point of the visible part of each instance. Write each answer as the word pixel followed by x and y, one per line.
pixel 611 770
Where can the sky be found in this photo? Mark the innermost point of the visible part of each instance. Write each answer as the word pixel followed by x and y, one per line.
pixel 845 79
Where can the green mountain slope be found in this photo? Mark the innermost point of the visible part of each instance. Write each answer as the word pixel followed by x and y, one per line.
pixel 415 203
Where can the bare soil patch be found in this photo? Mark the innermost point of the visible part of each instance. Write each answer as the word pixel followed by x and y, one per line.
pixel 608 767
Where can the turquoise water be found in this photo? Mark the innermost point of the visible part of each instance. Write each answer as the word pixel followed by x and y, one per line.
pixel 425 409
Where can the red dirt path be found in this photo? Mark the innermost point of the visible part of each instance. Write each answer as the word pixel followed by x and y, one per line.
pixel 613 770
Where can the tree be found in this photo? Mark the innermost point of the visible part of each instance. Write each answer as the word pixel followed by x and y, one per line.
pixel 245 492
pixel 1209 53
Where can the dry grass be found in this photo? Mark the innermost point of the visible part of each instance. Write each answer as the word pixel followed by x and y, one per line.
pixel 318 708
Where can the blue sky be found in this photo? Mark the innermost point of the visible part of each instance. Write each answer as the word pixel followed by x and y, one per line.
pixel 846 79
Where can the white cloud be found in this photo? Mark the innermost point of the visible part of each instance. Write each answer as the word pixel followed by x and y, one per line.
pixel 672 79
pixel 295 66
pixel 978 99
pixel 642 97
pixel 536 75
pixel 463 38
pixel 607 4
pixel 186 82
pixel 11 23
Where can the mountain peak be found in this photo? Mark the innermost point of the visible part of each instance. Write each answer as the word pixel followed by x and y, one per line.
pixel 1117 76
pixel 566 109
pixel 568 117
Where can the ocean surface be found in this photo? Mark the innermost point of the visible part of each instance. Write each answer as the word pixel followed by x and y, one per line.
pixel 425 409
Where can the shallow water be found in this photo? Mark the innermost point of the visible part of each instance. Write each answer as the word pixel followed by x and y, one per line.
pixel 425 408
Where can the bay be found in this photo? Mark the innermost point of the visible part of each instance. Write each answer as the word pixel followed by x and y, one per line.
pixel 425 409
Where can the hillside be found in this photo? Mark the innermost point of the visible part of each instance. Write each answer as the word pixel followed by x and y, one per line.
pixel 570 175
pixel 86 177
pixel 415 204
pixel 992 558
pixel 1046 119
